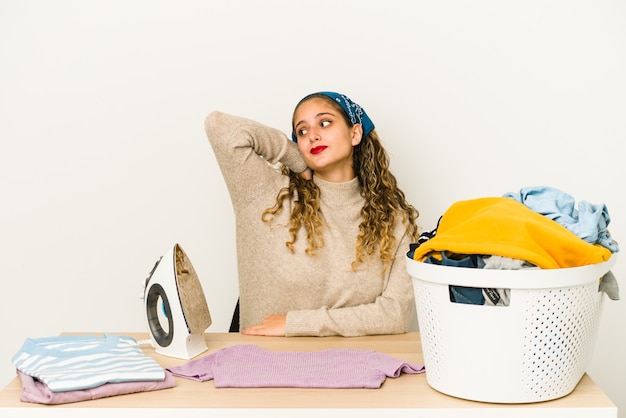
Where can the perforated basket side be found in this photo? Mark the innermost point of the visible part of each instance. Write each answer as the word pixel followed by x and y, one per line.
pixel 430 328
pixel 560 332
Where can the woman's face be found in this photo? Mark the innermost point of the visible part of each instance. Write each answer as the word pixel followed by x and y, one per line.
pixel 325 140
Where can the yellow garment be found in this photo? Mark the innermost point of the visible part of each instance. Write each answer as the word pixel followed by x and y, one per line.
pixel 505 227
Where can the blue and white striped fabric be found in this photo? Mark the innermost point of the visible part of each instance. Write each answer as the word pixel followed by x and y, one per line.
pixel 76 362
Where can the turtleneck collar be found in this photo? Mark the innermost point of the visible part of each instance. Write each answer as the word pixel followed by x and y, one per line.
pixel 339 194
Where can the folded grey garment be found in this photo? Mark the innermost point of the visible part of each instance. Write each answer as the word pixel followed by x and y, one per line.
pixel 496 262
pixel 35 391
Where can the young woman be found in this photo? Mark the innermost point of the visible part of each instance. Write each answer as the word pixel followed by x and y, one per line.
pixel 322 227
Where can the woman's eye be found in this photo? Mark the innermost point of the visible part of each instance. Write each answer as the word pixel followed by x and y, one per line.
pixel 325 123
pixel 302 132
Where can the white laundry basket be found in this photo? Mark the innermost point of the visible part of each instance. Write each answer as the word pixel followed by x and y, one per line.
pixel 535 349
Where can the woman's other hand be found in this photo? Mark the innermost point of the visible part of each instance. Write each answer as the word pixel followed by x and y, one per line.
pixel 272 325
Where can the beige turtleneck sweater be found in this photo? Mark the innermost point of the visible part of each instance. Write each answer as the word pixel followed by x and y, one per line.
pixel 320 295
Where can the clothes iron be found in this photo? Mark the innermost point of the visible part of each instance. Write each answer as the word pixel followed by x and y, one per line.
pixel 177 313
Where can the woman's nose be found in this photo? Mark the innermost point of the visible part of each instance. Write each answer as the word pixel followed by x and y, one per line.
pixel 313 135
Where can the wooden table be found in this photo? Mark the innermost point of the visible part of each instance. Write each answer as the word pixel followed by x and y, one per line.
pixel 408 395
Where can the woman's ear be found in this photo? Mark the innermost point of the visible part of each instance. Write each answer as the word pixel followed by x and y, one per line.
pixel 357 134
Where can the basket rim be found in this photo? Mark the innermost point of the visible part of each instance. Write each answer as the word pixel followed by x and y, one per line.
pixel 509 279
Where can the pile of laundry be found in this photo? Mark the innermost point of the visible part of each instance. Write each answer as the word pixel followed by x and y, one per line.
pixel 536 228
pixel 73 368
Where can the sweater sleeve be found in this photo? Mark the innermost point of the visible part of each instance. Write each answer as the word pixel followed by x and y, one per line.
pixel 389 313
pixel 243 148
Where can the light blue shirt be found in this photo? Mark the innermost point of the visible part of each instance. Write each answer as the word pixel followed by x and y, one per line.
pixel 589 222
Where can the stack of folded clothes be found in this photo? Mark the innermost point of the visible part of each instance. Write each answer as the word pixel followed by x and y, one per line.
pixel 73 368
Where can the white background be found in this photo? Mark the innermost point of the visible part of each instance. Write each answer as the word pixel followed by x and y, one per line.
pixel 105 165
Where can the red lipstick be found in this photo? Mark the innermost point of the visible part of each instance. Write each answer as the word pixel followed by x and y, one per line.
pixel 317 150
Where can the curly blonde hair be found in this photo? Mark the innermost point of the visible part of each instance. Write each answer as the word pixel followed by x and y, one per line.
pixel 384 201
